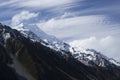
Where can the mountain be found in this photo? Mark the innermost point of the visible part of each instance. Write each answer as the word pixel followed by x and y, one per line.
pixel 89 57
pixel 26 56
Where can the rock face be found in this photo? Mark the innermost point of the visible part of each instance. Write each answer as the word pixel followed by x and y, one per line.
pixel 24 59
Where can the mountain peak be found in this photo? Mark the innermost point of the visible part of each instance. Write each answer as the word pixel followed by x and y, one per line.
pixel 36 34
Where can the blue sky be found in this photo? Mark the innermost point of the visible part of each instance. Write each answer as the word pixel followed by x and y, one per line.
pixel 85 23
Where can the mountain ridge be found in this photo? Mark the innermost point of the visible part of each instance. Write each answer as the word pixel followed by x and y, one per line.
pixel 54 43
pixel 45 63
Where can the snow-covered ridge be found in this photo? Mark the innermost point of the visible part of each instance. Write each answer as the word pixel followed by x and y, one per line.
pixel 88 57
pixel 91 57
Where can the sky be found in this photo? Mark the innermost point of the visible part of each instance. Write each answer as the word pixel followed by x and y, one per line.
pixel 83 23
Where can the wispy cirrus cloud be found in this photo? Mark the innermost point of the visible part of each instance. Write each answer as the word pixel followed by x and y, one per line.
pixel 79 26
pixel 7 2
pixel 36 3
pixel 44 3
pixel 48 8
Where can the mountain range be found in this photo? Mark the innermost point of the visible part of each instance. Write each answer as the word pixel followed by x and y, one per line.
pixel 28 53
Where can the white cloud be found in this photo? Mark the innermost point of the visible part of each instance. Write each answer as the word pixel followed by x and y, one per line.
pixel 36 3
pixel 44 3
pixel 4 3
pixel 68 22
pixel 22 16
pixel 108 46
pixel 79 26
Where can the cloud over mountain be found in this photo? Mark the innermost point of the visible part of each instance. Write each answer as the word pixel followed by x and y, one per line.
pixel 22 16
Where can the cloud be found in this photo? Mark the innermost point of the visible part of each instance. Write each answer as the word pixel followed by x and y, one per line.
pixel 22 16
pixel 108 45
pixel 36 3
pixel 77 27
pixel 68 14
pixel 9 8
pixel 63 22
pixel 44 3
pixel 4 3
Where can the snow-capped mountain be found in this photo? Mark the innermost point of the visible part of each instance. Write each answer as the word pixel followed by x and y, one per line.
pixel 26 56
pixel 36 34
pixel 89 57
